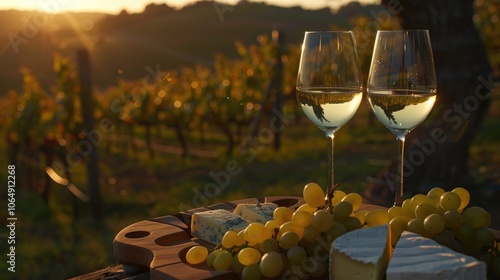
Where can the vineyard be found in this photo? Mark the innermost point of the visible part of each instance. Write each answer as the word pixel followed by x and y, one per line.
pixel 163 139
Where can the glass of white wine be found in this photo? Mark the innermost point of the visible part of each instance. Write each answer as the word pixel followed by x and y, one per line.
pixel 401 86
pixel 329 84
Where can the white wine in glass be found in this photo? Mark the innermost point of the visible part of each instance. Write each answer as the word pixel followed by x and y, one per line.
pixel 401 87
pixel 329 84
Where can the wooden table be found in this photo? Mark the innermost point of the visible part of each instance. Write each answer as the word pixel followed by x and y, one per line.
pixel 156 248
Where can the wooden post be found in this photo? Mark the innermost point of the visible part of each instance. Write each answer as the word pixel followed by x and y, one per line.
pixel 88 118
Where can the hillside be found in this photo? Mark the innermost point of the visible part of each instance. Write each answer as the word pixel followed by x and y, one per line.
pixel 160 35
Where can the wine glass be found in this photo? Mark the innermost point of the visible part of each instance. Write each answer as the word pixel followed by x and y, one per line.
pixel 329 84
pixel 401 87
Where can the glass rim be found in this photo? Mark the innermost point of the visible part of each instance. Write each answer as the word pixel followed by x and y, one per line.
pixel 402 30
pixel 327 31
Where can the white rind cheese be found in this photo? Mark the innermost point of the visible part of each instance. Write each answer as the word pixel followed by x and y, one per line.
pixel 360 254
pixel 260 213
pixel 419 258
pixel 211 225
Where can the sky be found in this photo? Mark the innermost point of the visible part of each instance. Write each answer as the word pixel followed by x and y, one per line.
pixel 134 6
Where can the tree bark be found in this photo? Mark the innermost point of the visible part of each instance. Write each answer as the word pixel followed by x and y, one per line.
pixel 437 151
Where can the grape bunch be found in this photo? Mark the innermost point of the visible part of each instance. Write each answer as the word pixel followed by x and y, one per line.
pixel 296 243
pixel 446 217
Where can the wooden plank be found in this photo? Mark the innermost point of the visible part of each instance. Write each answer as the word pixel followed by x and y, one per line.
pixel 172 220
pixel 146 243
pixel 119 271
pixel 286 201
pixel 182 271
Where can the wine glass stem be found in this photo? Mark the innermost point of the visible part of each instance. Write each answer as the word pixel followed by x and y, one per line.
pixel 399 189
pixel 330 183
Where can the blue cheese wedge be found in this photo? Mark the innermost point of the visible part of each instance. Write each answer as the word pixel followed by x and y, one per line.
pixel 361 254
pixel 260 213
pixel 211 225
pixel 419 258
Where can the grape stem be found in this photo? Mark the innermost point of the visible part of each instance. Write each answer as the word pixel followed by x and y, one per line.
pixel 329 197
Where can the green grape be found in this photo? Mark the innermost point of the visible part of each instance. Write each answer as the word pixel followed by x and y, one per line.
pixel 495 266
pixel 271 265
pixel 336 230
pixel 322 220
pixel 395 211
pixel 452 219
pixel 223 261
pixel 290 226
pixel 196 254
pixel 425 209
pixel 282 215
pixel 397 226
pixel 476 217
pixel 311 233
pixel 257 233
pixel 464 196
pixel 408 209
pixel 377 217
pixel 269 245
pixel 449 201
pixel 360 215
pixel 241 235
pixel 320 270
pixel 338 195
pixel 296 255
pixel 486 257
pixel 320 249
pixel 463 232
pixel 248 239
pixel 211 257
pixel 306 207
pixel 314 267
pixel 295 271
pixel 230 239
pixel 472 248
pixel 434 224
pixel 445 238
pixel 236 266
pixel 350 223
pixel 251 272
pixel 435 200
pixel 302 218
pixel 288 240
pixel 343 209
pixel 355 199
pixel 417 226
pixel 314 195
pixel 248 256
pixel 420 199
pixel 483 236
pixel 436 191
pixel 271 225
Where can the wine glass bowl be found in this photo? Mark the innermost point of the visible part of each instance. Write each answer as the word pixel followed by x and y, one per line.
pixel 329 83
pixel 401 86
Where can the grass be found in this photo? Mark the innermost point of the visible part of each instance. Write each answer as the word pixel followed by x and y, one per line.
pixel 52 244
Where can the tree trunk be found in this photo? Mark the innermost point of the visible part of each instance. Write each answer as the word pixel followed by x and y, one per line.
pixel 437 151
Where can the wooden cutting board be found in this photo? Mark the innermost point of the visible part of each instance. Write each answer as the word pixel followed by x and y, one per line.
pixel 161 243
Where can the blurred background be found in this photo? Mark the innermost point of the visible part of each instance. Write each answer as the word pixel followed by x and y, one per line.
pixel 117 113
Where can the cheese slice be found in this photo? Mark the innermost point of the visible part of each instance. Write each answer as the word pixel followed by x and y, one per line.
pixel 260 213
pixel 360 254
pixel 211 225
pixel 416 257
